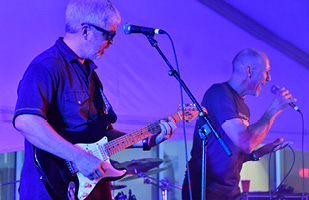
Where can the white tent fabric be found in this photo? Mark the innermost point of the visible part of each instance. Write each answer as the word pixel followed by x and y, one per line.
pixel 134 76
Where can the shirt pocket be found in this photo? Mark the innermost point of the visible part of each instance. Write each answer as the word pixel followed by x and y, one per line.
pixel 76 97
pixel 76 108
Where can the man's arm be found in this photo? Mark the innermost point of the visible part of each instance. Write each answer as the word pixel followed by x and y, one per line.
pixel 168 127
pixel 266 149
pixel 248 137
pixel 39 132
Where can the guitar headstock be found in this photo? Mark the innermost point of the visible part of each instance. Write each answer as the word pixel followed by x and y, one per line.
pixel 190 112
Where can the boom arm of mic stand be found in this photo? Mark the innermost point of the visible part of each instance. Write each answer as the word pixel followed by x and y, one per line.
pixel 174 73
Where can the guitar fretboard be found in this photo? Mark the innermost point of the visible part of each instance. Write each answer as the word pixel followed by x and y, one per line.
pixel 129 139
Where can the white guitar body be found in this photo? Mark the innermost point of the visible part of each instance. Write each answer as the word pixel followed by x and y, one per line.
pixel 97 149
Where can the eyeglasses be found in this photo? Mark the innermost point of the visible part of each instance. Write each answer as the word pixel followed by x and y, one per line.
pixel 109 34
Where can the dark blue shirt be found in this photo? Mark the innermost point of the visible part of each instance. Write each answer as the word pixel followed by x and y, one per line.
pixel 59 88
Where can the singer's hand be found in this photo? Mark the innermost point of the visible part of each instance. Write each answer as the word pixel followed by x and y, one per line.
pixel 275 89
pixel 271 147
pixel 281 100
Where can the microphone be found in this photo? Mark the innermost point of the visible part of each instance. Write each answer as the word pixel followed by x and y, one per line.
pixel 128 29
pixel 274 89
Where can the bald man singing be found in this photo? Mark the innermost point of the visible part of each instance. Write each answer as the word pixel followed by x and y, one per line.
pixel 231 117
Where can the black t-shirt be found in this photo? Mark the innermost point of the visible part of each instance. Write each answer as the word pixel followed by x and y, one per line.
pixel 223 172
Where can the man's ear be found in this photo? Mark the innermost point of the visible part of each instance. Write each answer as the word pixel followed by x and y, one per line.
pixel 249 71
pixel 85 31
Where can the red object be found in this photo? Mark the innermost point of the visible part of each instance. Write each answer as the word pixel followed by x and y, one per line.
pixel 306 170
pixel 245 185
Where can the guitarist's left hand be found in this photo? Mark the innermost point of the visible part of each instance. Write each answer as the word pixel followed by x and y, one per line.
pixel 168 127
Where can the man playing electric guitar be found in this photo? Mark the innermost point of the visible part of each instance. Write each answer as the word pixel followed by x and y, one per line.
pixel 60 91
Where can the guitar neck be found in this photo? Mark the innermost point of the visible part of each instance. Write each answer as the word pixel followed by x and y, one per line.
pixel 129 139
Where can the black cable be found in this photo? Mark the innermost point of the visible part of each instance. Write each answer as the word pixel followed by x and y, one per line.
pixel 275 190
pixel 269 159
pixel 303 152
pixel 183 119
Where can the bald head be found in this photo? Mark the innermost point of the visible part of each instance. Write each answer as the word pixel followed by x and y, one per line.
pixel 248 57
pixel 250 71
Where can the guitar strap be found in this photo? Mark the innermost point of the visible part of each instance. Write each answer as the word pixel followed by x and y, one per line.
pixel 108 106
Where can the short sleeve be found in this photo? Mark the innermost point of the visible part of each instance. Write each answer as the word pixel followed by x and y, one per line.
pixel 220 103
pixel 34 91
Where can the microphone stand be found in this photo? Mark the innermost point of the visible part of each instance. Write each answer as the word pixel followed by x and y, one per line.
pixel 206 129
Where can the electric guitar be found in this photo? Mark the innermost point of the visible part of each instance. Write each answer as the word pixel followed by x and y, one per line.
pixel 63 180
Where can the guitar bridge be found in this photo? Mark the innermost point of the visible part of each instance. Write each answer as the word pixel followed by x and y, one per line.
pixel 73 170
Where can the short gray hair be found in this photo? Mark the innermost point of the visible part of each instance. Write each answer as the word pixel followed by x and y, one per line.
pixel 89 11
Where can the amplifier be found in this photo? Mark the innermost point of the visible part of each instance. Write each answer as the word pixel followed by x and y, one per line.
pixel 277 196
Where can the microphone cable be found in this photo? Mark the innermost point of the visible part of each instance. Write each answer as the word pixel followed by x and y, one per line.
pixel 275 190
pixel 303 162
pixel 303 152
pixel 183 119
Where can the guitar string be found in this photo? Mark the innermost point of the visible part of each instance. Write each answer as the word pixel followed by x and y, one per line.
pixel 125 141
pixel 131 138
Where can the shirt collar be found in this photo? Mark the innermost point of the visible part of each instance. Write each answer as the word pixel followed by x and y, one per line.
pixel 65 50
pixel 69 54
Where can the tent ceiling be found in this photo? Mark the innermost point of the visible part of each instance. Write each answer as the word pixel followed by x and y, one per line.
pixel 282 24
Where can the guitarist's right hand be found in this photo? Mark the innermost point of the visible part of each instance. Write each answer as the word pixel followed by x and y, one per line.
pixel 89 165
